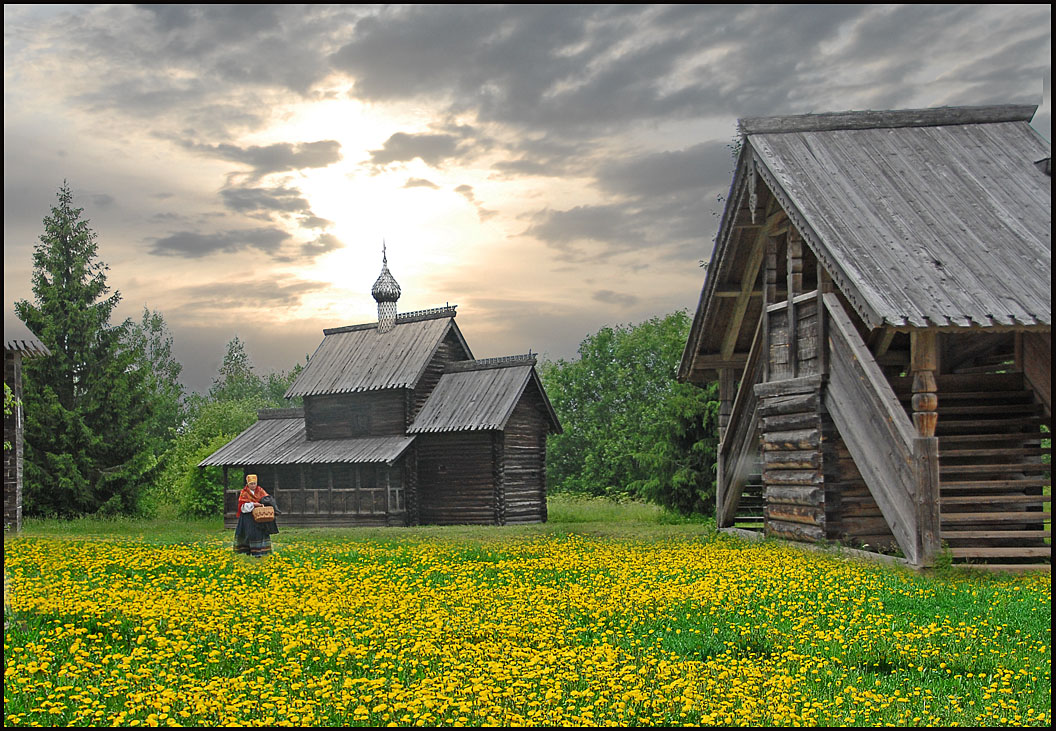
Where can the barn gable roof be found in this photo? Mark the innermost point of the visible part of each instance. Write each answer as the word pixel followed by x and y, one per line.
pixel 924 217
pixel 480 395
pixel 282 440
pixel 934 218
pixel 359 358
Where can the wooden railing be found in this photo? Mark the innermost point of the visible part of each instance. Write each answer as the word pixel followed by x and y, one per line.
pixel 900 468
pixel 739 447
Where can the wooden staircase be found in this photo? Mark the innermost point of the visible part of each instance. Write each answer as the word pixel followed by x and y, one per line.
pixel 749 513
pixel 995 479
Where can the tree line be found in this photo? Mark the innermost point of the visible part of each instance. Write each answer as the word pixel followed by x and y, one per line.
pixel 110 430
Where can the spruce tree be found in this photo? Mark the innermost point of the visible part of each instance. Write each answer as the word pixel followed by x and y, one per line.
pixel 152 341
pixel 86 406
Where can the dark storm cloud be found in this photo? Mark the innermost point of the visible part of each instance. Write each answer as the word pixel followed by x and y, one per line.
pixel 432 148
pixel 255 200
pixel 277 158
pixel 663 205
pixel 194 245
pixel 611 224
pixel 707 165
pixel 581 70
pixel 402 147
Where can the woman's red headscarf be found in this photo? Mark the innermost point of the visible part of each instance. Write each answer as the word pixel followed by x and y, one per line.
pixel 251 493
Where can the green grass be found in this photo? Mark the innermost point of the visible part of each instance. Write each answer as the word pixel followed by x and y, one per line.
pixel 566 514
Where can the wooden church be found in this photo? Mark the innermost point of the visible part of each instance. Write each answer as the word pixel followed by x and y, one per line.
pixel 401 426
pixel 877 312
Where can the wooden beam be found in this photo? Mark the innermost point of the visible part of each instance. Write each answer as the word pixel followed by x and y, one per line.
pixel 751 271
pixel 735 291
pixel 716 362
pixel 885 341
pixel 727 378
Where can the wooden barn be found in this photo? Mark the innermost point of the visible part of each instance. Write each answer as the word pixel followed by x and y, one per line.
pixel 401 426
pixel 19 343
pixel 877 312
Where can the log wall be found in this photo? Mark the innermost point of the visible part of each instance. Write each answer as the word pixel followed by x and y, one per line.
pixel 524 463
pixel 793 467
pixel 457 478
pixel 450 350
pixel 345 415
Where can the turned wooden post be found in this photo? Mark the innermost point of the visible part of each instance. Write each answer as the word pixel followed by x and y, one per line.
pixel 924 364
pixel 727 391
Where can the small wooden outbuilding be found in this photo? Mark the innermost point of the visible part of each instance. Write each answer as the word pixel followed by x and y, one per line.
pixel 877 311
pixel 19 343
pixel 401 426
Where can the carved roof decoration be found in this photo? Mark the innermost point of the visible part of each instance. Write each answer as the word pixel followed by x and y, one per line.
pixel 386 288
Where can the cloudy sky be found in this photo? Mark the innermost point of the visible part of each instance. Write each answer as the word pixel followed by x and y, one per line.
pixel 548 169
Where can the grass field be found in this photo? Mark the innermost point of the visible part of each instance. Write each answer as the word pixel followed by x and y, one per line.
pixel 609 614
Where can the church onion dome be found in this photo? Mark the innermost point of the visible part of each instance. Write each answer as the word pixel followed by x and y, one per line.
pixel 386 288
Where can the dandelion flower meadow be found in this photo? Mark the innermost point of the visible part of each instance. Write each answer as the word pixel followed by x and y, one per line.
pixel 544 629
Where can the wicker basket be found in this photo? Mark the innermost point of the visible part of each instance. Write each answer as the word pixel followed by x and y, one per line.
pixel 263 514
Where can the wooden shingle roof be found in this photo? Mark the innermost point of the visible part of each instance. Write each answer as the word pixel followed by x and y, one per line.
pixel 275 441
pixel 929 218
pixel 359 358
pixel 925 218
pixel 18 338
pixel 479 395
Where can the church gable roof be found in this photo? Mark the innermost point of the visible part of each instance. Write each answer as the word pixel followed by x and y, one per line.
pixel 924 218
pixel 480 395
pixel 359 358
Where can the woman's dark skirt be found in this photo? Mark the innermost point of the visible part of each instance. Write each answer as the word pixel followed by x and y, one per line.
pixel 253 538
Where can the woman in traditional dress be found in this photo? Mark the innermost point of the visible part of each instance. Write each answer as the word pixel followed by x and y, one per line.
pixel 253 538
